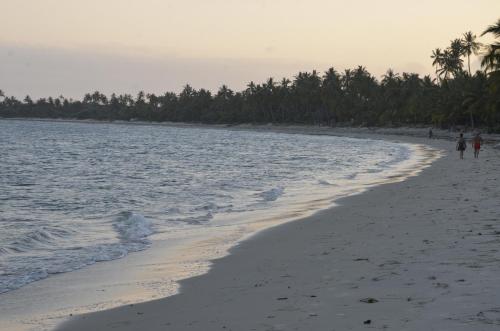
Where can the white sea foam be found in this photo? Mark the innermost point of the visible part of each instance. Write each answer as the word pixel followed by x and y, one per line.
pixel 194 220
pixel 133 227
pixel 272 194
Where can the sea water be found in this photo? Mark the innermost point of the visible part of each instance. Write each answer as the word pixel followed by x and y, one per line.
pixel 76 193
pixel 73 194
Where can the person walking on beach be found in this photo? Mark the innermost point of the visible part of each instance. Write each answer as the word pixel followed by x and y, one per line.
pixel 476 143
pixel 461 145
pixel 430 133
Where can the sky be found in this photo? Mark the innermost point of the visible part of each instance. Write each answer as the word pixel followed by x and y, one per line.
pixel 70 47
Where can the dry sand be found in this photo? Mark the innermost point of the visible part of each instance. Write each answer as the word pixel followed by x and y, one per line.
pixel 423 253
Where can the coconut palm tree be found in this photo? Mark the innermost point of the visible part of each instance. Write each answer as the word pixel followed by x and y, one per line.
pixel 331 94
pixel 470 46
pixel 475 99
pixel 446 66
pixel 437 56
pixel 491 59
pixel 390 78
pixel 451 60
pixel 457 51
pixel 27 100
pixel 285 82
pixel 346 79
pixel 494 29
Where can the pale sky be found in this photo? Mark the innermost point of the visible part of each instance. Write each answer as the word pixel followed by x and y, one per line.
pixel 69 47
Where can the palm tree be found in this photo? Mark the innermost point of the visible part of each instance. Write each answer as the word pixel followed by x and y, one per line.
pixel 457 51
pixel 331 92
pixel 346 79
pixel 27 100
pixel 391 91
pixel 493 29
pixel 390 78
pixel 451 60
pixel 491 59
pixel 470 46
pixel 285 82
pixel 445 67
pixel 284 94
pixel 476 98
pixel 251 87
pixel 270 84
pixel 224 93
pixel 437 56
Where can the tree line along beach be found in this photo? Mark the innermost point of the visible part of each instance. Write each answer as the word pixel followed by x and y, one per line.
pixel 457 97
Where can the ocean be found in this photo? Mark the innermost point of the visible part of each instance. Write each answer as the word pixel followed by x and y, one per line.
pixel 74 194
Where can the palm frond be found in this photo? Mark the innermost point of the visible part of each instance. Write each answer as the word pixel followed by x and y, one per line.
pixel 493 29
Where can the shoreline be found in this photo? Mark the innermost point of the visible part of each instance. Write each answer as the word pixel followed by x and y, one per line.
pixel 425 249
pixel 409 131
pixel 216 281
pixel 103 269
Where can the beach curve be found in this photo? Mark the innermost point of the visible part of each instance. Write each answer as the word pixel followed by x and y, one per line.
pixel 265 282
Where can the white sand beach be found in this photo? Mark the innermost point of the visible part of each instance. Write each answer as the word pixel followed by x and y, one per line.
pixel 419 254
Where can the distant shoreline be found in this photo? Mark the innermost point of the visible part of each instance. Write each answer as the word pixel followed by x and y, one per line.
pixel 418 131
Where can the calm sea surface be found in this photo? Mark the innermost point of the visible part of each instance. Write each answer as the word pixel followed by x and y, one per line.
pixel 73 194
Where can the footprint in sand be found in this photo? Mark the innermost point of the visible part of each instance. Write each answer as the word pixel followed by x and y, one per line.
pixel 441 285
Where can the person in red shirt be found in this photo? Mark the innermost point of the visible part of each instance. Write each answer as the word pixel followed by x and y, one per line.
pixel 476 143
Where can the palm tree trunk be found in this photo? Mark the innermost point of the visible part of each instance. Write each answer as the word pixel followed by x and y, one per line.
pixel 471 120
pixel 468 60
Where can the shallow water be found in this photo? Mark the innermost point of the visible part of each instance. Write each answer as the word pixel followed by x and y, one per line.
pixel 75 193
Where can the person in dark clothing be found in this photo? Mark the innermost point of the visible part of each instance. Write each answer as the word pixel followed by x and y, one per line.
pixel 461 145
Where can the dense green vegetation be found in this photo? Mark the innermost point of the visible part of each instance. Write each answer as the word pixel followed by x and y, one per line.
pixel 351 97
